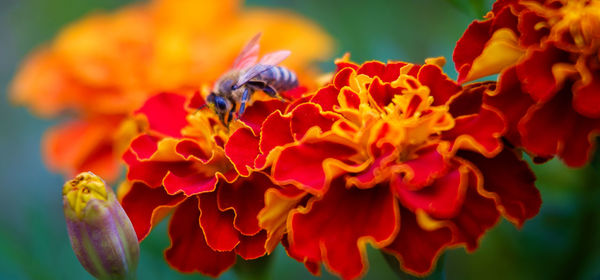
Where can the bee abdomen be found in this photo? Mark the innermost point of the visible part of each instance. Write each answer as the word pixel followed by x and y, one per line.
pixel 280 78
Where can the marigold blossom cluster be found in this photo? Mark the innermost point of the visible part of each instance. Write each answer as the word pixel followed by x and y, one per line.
pixel 396 155
pixel 548 57
pixel 393 155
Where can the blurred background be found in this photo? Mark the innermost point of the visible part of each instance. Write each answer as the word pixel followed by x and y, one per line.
pixel 562 242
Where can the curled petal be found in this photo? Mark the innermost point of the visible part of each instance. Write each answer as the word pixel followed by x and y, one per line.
pixel 146 207
pixel 536 72
pixel 477 215
pixel 442 199
pixel 242 150
pixel 308 115
pixel 217 225
pixel 245 197
pixel 512 183
pixel 553 128
pixel 188 251
pixel 441 87
pixel 255 115
pixel 336 228
pixel 416 248
pixel 310 165
pixel 479 132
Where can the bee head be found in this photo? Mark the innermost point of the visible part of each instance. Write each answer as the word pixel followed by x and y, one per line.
pixel 221 105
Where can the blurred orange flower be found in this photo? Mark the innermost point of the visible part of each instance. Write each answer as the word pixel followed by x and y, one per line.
pixel 101 68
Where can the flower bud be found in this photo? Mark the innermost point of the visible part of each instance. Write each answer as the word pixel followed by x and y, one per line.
pixel 101 234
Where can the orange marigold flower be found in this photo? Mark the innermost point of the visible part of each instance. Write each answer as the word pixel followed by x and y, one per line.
pixel 394 154
pixel 548 57
pixel 180 164
pixel 106 65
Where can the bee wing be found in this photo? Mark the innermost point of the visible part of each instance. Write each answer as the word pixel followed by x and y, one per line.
pixel 251 73
pixel 274 58
pixel 249 54
pixel 265 63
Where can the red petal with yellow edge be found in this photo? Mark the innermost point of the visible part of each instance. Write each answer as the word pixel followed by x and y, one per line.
pixel 511 180
pixel 511 101
pixel 85 145
pixel 586 98
pixel 216 224
pixel 386 72
pixel 416 248
pixel 327 97
pixel 303 164
pixel 535 72
pixel 342 78
pixel 428 165
pixel 246 197
pixel 188 251
pixel 480 132
pixel 554 128
pixel 252 247
pixel 255 115
pixel 189 181
pixel 383 93
pixel 242 150
pixel 189 149
pixel 335 228
pixel 276 131
pixel 151 172
pixel 476 216
pixel 166 113
pixel 441 87
pixel 144 146
pixel 442 199
pixel 297 102
pixel 146 207
pixel 344 63
pixel 308 115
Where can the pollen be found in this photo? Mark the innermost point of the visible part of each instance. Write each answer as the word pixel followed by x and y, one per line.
pixel 83 188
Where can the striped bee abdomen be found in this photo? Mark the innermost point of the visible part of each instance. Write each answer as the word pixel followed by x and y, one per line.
pixel 279 78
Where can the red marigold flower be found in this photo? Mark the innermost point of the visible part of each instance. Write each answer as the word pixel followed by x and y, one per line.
pixel 103 67
pixel 547 53
pixel 179 164
pixel 394 154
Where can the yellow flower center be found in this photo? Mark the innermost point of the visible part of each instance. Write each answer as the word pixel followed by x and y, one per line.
pixel 411 119
pixel 83 188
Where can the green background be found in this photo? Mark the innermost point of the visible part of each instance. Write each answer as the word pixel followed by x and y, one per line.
pixel 562 242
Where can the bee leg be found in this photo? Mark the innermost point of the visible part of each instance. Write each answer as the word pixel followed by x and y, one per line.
pixel 272 92
pixel 245 97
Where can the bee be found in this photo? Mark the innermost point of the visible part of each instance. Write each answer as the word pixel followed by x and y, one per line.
pixel 235 88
